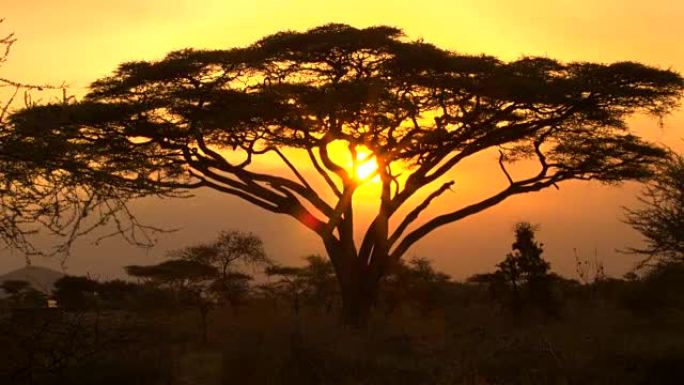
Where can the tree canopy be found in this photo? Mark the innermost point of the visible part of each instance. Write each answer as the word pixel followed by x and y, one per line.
pixel 202 118
pixel 231 248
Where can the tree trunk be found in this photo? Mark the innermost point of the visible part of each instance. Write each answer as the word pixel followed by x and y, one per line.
pixel 358 296
pixel 358 283
pixel 204 313
pixel 356 309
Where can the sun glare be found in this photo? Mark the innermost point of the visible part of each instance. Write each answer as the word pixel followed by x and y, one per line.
pixel 362 164
pixel 364 170
pixel 366 165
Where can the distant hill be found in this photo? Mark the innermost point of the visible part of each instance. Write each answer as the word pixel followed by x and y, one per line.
pixel 40 278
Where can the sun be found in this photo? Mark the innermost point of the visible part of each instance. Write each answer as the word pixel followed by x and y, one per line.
pixel 366 165
pixel 364 170
pixel 359 161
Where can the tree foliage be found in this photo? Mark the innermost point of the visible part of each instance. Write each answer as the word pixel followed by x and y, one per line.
pixel 525 273
pixel 525 263
pixel 22 294
pixel 231 252
pixel 203 118
pixel 190 281
pixel 313 284
pixel 76 292
pixel 14 286
pixel 660 219
pixel 176 273
pixel 47 186
pixel 416 283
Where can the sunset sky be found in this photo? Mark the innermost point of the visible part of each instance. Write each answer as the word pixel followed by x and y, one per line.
pixel 78 41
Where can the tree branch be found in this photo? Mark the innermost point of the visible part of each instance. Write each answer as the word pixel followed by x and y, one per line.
pixel 413 215
pixel 529 185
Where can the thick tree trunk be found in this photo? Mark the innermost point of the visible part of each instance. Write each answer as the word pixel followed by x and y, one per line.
pixel 359 292
pixel 356 306
pixel 204 313
pixel 358 281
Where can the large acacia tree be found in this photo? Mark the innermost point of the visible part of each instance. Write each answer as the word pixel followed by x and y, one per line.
pixel 202 118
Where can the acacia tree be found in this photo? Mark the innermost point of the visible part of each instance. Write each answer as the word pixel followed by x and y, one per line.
pixel 190 281
pixel 230 252
pixel 231 248
pixel 313 283
pixel 416 282
pixel 319 276
pixel 202 118
pixel 16 289
pixel 290 283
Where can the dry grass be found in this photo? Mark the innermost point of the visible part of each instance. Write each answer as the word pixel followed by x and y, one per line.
pixel 474 343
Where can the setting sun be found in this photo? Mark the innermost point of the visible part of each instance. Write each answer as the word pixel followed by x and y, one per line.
pixel 366 165
pixel 340 192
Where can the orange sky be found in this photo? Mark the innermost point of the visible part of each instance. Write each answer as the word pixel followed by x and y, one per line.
pixel 77 41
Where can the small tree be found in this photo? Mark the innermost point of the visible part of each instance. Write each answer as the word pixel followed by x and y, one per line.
pixel 22 294
pixel 120 294
pixel 14 286
pixel 289 283
pixel 76 293
pixel 525 272
pixel 319 276
pixel 228 254
pixel 417 283
pixel 313 284
pixel 233 287
pixel 231 248
pixel 190 281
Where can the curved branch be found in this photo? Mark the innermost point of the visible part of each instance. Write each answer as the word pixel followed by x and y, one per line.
pixel 293 169
pixel 323 173
pixel 305 191
pixel 413 215
pixel 503 167
pixel 534 184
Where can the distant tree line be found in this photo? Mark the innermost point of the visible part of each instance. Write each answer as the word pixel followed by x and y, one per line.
pixel 221 274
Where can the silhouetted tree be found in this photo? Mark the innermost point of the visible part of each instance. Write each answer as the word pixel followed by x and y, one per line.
pixel 589 271
pixel 14 286
pixel 190 281
pixel 319 276
pixel 313 284
pixel 660 220
pixel 231 248
pixel 120 294
pixel 289 283
pixel 200 118
pixel 75 293
pixel 658 292
pixel 525 272
pixel 417 283
pixel 232 251
pixel 233 287
pixel 22 294
pixel 430 286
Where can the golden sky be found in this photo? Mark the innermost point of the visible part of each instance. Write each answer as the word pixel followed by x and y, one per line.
pixel 78 41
